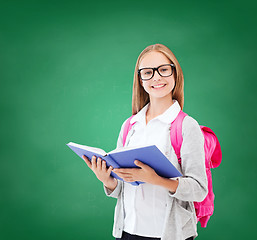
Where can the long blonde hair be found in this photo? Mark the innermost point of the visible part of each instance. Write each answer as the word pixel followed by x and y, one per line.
pixel 140 97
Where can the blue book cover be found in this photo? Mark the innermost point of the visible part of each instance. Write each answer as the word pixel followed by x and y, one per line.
pixel 125 157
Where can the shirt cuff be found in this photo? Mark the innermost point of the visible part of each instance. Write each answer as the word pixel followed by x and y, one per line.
pixel 115 193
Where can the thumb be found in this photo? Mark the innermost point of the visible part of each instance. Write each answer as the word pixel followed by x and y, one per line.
pixel 140 164
pixel 110 170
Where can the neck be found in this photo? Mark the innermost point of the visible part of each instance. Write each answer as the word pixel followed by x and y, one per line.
pixel 158 106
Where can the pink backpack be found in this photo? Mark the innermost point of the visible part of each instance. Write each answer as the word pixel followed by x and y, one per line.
pixel 213 157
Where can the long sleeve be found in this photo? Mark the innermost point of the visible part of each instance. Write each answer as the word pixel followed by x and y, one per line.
pixel 115 193
pixel 193 185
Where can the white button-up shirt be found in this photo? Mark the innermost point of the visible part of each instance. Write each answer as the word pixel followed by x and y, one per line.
pixel 180 218
pixel 145 205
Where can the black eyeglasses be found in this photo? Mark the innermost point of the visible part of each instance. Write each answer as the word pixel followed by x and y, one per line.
pixel 164 70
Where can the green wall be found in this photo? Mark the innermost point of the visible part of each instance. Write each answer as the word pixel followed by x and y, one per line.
pixel 66 72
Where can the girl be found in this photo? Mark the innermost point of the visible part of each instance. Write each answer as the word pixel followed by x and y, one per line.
pixel 161 208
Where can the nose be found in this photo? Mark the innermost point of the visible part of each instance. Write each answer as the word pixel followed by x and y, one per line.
pixel 156 75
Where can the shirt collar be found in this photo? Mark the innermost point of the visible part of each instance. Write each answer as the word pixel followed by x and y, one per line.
pixel 167 117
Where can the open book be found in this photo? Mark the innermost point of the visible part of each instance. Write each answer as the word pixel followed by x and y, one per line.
pixel 124 158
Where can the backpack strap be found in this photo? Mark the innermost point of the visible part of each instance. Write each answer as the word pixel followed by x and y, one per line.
pixel 176 134
pixel 213 157
pixel 127 127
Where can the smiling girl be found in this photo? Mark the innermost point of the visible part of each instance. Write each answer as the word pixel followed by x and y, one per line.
pixel 161 208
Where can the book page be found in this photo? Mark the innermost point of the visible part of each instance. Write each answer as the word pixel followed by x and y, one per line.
pixel 122 149
pixel 88 148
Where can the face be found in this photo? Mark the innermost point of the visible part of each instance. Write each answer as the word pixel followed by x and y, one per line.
pixel 157 86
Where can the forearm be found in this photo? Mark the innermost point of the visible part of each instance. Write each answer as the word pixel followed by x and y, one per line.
pixel 170 184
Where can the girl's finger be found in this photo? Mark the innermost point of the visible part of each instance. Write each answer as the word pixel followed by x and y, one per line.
pixel 103 165
pixel 128 179
pixel 119 175
pixel 124 175
pixel 110 169
pixel 93 161
pixel 99 164
pixel 87 161
pixel 124 170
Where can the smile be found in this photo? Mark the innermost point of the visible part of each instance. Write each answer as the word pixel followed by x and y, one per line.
pixel 159 86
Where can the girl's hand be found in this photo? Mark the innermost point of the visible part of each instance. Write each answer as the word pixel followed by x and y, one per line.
pixel 102 173
pixel 144 173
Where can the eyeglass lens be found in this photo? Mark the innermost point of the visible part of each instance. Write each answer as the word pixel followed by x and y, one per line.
pixel 148 73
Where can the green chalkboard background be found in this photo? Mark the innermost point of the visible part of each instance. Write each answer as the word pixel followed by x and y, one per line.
pixel 66 72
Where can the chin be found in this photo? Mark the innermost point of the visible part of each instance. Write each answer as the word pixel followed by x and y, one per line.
pixel 159 94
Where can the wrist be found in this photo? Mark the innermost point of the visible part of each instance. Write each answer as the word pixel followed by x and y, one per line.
pixel 111 183
pixel 170 184
pixel 158 180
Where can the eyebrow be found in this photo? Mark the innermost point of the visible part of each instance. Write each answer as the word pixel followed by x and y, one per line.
pixel 157 66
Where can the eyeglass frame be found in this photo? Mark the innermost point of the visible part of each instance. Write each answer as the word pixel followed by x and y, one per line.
pixel 156 69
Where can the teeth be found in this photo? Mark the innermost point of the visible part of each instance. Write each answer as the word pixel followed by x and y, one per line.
pixel 158 86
